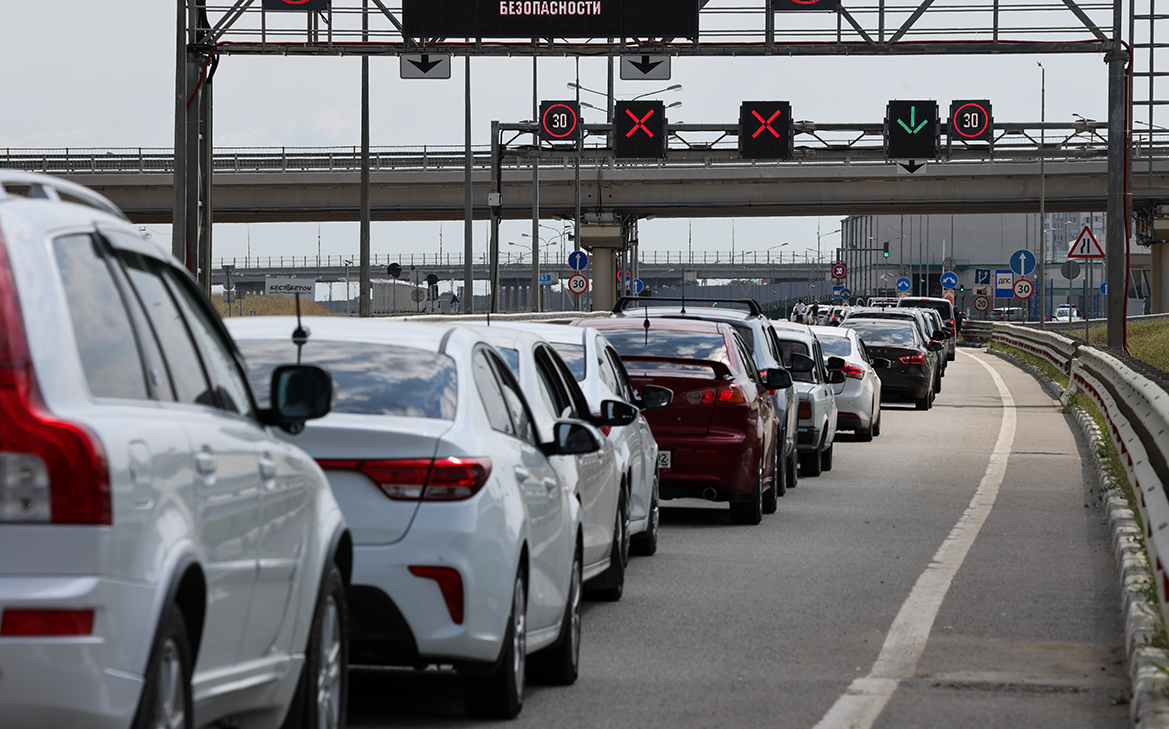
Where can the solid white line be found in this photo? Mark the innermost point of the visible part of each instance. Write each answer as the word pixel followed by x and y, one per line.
pixel 866 697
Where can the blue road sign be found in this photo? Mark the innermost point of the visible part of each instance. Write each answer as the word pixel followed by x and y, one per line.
pixel 578 260
pixel 638 286
pixel 845 294
pixel 836 291
pixel 904 285
pixel 545 279
pixel 949 280
pixel 1004 284
pixel 1104 288
pixel 1022 262
pixel 982 277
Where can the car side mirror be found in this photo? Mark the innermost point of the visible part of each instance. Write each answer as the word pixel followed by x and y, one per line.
pixel 835 363
pixel 836 377
pixel 299 393
pixel 617 413
pixel 880 363
pixel 935 346
pixel 802 363
pixel 777 379
pixel 571 438
pixel 655 397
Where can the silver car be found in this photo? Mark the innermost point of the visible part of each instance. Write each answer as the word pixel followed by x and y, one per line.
pixel 858 397
pixel 814 378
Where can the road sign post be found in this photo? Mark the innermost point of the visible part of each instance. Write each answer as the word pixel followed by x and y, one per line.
pixel 839 270
pixel 578 284
pixel 981 303
pixel 578 260
pixel 1004 284
pixel 949 280
pixel 904 285
pixel 1086 246
pixel 1023 288
pixel 1022 262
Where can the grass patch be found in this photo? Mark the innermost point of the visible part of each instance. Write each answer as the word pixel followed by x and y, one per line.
pixel 1148 341
pixel 269 306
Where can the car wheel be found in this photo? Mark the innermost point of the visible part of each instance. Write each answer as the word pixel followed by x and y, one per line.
pixel 877 424
pixel 792 468
pixel 826 458
pixel 500 693
pixel 865 435
pixel 779 477
pixel 610 585
pixel 771 495
pixel 166 696
pixel 320 699
pixel 560 663
pixel 646 543
pixel 750 511
pixel 938 383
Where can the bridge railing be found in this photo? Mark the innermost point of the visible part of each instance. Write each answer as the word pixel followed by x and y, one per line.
pixel 1134 400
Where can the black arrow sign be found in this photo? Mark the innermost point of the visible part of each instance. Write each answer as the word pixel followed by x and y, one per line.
pixel 645 66
pixel 912 167
pixel 425 65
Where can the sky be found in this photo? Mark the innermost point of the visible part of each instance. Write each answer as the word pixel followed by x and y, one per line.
pixel 79 75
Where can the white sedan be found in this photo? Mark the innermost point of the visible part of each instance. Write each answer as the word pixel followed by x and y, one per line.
pixel 858 398
pixel 467 543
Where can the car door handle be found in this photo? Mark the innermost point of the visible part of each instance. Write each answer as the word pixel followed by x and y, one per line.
pixel 205 462
pixel 522 474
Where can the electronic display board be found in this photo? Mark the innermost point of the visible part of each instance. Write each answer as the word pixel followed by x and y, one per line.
pixel 550 19
pixel 639 129
pixel 301 5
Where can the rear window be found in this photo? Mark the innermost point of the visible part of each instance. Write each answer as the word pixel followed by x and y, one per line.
pixel 945 310
pixel 371 379
pixel 662 343
pixel 878 333
pixel 787 348
pixel 836 346
pixel 573 356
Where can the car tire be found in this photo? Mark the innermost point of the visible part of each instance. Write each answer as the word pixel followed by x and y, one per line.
pixel 499 694
pixel 166 695
pixel 771 495
pixel 877 424
pixel 610 584
pixel 865 435
pixel 646 543
pixel 826 458
pixel 793 470
pixel 559 664
pixel 938 383
pixel 750 512
pixel 321 692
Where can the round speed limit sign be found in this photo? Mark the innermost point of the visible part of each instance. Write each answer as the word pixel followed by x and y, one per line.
pixel 578 284
pixel 1024 288
pixel 981 303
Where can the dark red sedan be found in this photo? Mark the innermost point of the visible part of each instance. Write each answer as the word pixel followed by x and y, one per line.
pixel 717 437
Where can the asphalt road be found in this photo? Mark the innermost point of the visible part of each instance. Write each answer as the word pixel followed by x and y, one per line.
pixel 922 582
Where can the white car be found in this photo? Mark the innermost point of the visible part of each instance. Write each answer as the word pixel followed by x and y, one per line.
pixel 858 397
pixel 595 478
pixel 168 561
pixel 1067 313
pixel 814 378
pixel 468 547
pixel 601 375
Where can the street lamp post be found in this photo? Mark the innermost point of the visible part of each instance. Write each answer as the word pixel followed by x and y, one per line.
pixel 348 311
pixel 1042 192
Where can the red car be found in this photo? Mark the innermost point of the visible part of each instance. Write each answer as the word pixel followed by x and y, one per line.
pixel 717 438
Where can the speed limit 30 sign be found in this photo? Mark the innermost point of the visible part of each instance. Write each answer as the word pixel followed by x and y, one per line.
pixel 1024 288
pixel 578 283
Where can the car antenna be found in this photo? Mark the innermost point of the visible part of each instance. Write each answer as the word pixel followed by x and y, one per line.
pixel 683 288
pixel 300 334
pixel 645 324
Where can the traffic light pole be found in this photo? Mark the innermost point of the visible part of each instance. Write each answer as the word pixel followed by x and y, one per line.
pixel 1117 244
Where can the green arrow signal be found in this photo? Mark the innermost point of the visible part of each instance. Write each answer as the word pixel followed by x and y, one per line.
pixel 913 122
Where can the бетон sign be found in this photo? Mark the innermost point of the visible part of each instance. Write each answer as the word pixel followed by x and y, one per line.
pixel 550 18
pixel 306 287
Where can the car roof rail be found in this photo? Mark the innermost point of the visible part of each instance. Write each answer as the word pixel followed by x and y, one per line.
pixel 636 302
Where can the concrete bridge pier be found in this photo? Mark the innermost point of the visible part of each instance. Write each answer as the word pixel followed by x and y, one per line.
pixel 604 235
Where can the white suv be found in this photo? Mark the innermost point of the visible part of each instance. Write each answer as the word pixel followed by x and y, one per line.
pixel 165 560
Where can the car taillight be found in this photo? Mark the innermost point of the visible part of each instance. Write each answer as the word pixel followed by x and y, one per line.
pixel 701 397
pixel 731 395
pixel 50 470
pixel 854 371
pixel 450 582
pixel 913 359
pixel 421 479
pixel 29 623
pixel 805 410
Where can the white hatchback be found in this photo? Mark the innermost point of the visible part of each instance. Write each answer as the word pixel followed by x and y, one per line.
pixel 468 546
pixel 165 560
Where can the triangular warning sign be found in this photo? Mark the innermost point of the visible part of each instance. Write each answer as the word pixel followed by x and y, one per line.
pixel 1086 246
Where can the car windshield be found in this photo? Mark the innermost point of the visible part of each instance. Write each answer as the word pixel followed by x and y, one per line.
pixel 371 379
pixel 573 356
pixel 835 346
pixel 884 333
pixel 665 343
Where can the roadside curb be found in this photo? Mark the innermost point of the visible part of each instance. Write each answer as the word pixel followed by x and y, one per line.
pixel 1148 707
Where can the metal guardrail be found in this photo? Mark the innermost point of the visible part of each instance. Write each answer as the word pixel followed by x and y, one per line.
pixel 1134 399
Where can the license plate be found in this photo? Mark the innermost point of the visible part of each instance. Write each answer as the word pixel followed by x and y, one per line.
pixel 663 459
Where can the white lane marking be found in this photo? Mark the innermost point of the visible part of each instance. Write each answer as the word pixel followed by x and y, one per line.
pixel 866 697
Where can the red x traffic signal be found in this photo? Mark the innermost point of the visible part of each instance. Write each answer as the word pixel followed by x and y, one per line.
pixel 765 130
pixel 639 129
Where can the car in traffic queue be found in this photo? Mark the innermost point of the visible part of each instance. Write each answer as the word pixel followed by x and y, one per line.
pixel 468 543
pixel 598 370
pixel 754 328
pixel 927 328
pixel 910 374
pixel 718 438
pixel 814 378
pixel 858 397
pixel 946 312
pixel 166 560
pixel 596 480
